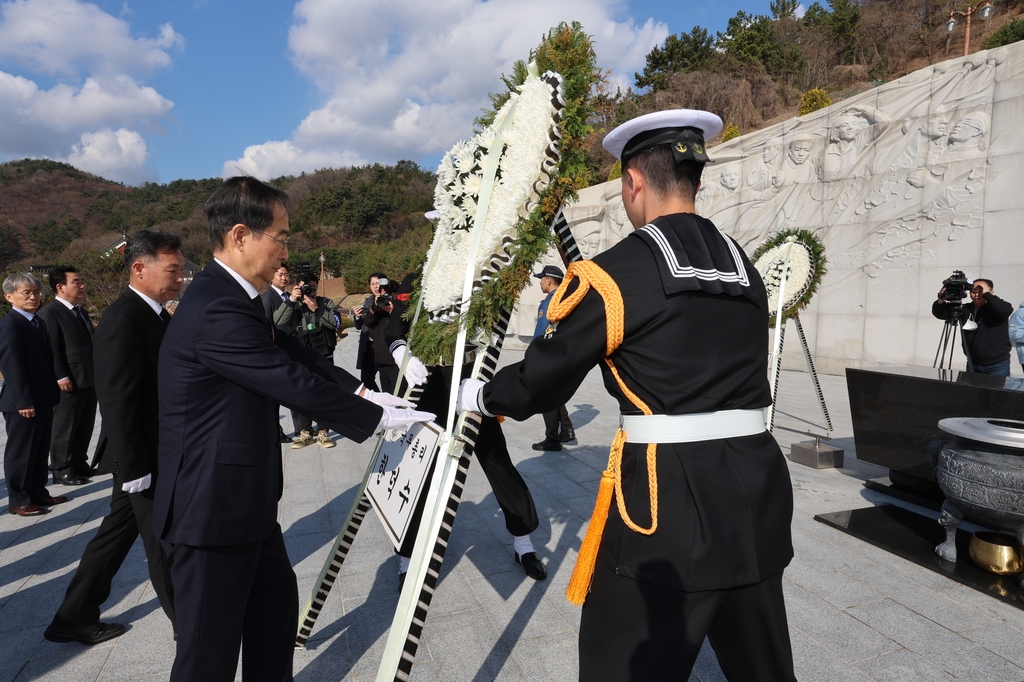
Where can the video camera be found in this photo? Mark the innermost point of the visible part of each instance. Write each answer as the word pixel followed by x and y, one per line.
pixel 306 276
pixel 956 288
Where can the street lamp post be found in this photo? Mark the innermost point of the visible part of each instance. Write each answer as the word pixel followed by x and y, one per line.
pixel 986 10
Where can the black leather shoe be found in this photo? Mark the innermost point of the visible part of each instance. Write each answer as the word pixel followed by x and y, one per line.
pixel 50 501
pixel 547 445
pixel 533 566
pixel 88 634
pixel 69 478
pixel 86 472
pixel 567 436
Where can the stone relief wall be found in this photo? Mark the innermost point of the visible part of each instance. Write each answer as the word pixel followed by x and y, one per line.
pixel 903 184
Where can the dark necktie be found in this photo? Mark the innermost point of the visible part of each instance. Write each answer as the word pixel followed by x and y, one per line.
pixel 81 318
pixel 40 327
pixel 165 316
pixel 285 296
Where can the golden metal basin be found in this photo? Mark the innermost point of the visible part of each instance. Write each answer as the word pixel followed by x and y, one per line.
pixel 997 553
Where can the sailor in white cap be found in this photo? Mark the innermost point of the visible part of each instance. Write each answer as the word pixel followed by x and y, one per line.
pixel 691 530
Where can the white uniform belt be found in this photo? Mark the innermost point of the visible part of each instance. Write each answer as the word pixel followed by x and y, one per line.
pixel 689 428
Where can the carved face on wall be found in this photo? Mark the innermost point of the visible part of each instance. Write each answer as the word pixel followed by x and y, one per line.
pixel 731 179
pixel 967 128
pixel 937 126
pixel 799 151
pixel 770 152
pixel 589 243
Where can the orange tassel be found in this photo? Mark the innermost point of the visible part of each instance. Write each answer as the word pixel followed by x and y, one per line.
pixel 583 572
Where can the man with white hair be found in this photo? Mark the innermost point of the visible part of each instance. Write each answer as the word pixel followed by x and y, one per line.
pixel 28 397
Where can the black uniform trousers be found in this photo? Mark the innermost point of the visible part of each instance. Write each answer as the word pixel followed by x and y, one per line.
pixel 554 419
pixel 491 451
pixel 73 421
pixel 25 457
pixel 656 632
pixel 368 367
pixel 131 515
pixel 249 591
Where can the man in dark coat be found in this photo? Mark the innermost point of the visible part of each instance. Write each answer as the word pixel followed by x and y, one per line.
pixel 678 319
pixel 273 298
pixel 70 330
pixel 224 369
pixel 28 397
pixel 366 363
pixel 126 349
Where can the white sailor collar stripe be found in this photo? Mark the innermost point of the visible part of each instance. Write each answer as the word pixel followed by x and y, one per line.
pixel 681 272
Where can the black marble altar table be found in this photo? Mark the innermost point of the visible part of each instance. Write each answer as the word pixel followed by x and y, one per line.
pixel 896 411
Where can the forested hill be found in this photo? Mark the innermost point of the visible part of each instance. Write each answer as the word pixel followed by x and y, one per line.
pixel 362 218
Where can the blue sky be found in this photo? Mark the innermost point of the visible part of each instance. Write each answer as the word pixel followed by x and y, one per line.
pixel 166 89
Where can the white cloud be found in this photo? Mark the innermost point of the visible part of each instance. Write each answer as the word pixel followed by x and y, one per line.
pixel 120 154
pixel 273 159
pixel 405 79
pixel 97 102
pixel 69 37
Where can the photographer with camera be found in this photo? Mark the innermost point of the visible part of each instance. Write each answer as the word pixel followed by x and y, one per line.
pixel 385 314
pixel 984 321
pixel 313 321
pixel 365 362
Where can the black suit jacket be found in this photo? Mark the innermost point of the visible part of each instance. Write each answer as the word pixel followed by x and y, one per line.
pixel 224 369
pixel 271 302
pixel 70 342
pixel 26 362
pixel 126 348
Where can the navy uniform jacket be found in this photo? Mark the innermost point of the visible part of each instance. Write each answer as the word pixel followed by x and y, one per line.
pixel 725 506
pixel 223 373
pixel 70 342
pixel 126 347
pixel 26 362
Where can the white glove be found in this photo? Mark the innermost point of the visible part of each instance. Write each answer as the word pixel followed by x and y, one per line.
pixel 384 399
pixel 138 485
pixel 401 418
pixel 469 397
pixel 415 371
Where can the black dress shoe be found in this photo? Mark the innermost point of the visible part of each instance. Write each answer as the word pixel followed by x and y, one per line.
pixel 87 634
pixel 28 510
pixel 50 501
pixel 69 478
pixel 547 445
pixel 533 566
pixel 567 436
pixel 86 472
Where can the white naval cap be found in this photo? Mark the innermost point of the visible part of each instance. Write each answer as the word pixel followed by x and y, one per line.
pixel 684 129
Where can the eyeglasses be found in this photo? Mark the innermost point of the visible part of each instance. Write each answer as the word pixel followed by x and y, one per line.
pixel 282 241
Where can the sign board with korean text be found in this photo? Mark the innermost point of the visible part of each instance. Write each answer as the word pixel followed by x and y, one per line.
pixel 398 476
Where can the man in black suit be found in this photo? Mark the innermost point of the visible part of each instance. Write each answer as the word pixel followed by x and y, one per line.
pixel 277 293
pixel 70 330
pixel 28 397
pixel 223 371
pixel 273 298
pixel 127 344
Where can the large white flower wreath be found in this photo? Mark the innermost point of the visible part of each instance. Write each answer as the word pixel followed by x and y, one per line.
pixel 529 154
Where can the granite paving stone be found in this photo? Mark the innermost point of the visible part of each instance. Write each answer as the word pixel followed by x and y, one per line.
pixel 856 612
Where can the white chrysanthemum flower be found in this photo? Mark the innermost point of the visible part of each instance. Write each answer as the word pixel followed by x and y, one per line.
pixel 798 276
pixel 472 185
pixel 485 139
pixel 446 172
pixel 465 159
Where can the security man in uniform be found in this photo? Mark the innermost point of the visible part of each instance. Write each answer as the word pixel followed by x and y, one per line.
pixel 691 531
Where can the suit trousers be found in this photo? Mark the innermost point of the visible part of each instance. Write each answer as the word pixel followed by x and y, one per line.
pixel 73 421
pixel 554 419
pixel 229 597
pixel 368 368
pixel 632 630
pixel 131 515
pixel 25 457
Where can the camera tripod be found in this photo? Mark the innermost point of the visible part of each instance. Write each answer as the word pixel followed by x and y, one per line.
pixel 952 329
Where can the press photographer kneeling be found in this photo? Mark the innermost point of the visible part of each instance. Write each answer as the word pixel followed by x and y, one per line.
pixel 312 319
pixel 986 336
